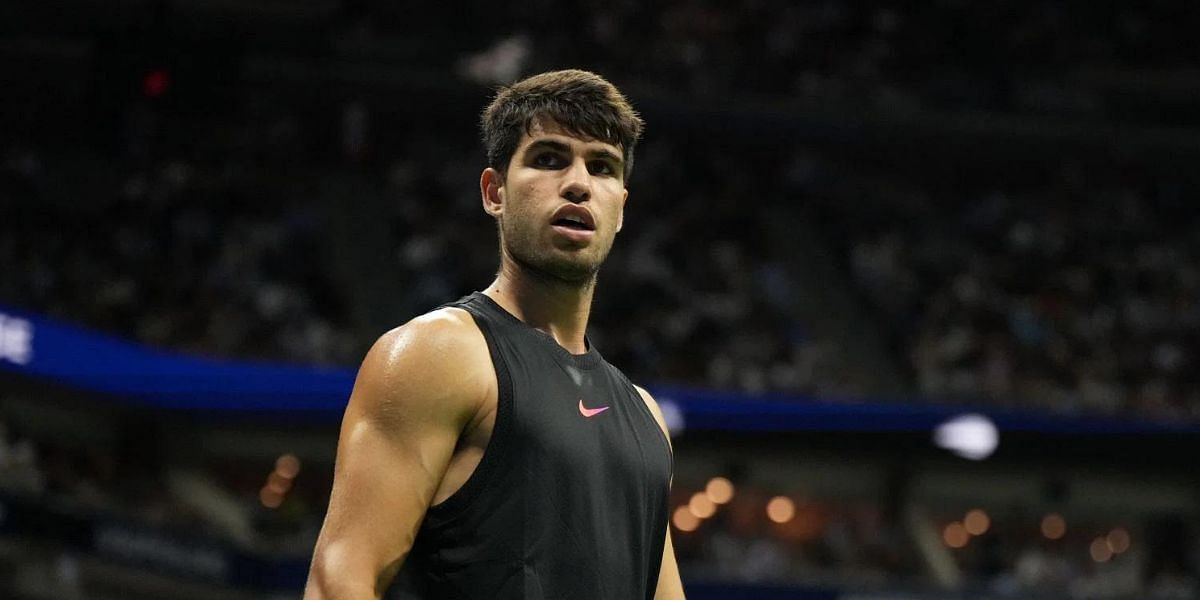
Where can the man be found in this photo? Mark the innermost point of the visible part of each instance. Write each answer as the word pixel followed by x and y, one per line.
pixel 486 444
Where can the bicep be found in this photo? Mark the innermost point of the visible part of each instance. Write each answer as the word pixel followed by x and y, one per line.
pixel 398 436
pixel 381 489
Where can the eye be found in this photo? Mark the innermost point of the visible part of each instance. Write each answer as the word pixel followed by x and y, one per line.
pixel 601 167
pixel 548 160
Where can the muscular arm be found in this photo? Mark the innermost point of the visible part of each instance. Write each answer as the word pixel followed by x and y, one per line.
pixel 419 386
pixel 669 585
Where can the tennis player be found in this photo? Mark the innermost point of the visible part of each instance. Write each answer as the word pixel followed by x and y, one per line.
pixel 487 445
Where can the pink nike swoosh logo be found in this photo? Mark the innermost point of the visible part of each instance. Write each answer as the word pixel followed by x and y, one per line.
pixel 590 412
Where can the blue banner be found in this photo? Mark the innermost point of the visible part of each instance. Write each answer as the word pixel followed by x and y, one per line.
pixel 725 411
pixel 86 360
pixel 42 348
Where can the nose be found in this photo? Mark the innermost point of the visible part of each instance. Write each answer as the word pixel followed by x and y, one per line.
pixel 577 183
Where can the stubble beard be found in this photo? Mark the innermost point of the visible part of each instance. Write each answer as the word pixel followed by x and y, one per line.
pixel 577 269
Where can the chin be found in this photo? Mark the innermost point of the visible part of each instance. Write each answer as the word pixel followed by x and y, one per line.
pixel 569 266
pixel 569 269
pixel 573 272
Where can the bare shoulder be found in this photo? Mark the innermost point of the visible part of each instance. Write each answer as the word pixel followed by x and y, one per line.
pixel 439 357
pixel 433 335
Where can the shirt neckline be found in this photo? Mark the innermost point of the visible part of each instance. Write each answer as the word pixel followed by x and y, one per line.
pixel 587 360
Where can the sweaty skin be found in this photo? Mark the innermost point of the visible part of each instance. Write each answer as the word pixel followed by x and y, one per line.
pixel 424 403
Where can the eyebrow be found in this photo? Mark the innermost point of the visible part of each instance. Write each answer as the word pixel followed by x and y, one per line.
pixel 565 149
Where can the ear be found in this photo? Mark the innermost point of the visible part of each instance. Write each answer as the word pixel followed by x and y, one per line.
pixel 491 190
pixel 621 215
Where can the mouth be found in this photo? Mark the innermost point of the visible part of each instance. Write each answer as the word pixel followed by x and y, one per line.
pixel 573 232
pixel 574 222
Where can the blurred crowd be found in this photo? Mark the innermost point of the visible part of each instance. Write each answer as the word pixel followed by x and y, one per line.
pixel 132 480
pixel 211 259
pixel 744 532
pixel 1027 57
pixel 759 537
pixel 20 471
pixel 855 543
pixel 211 234
pixel 230 257
pixel 1076 290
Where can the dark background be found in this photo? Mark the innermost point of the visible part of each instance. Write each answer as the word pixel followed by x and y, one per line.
pixel 851 209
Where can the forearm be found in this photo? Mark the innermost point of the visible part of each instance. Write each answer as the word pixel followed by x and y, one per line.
pixel 333 577
pixel 324 589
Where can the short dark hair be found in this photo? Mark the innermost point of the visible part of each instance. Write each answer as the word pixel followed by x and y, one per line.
pixel 581 102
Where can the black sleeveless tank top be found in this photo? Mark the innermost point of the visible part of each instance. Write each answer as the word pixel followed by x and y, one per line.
pixel 570 498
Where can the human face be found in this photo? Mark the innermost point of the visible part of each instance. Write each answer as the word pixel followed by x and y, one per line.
pixel 560 202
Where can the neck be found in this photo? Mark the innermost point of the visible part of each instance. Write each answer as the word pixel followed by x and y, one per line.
pixel 559 308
